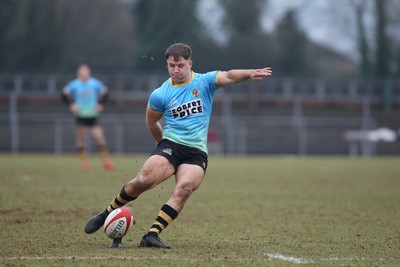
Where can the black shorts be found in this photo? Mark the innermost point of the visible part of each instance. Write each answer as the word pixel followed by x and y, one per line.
pixel 179 154
pixel 89 122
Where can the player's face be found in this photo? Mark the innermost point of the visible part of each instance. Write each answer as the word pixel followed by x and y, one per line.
pixel 84 73
pixel 180 70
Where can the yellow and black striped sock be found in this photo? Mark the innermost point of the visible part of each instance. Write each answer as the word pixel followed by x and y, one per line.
pixel 120 200
pixel 82 154
pixel 166 215
pixel 103 153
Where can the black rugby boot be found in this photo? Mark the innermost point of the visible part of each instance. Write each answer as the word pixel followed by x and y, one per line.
pixel 152 241
pixel 96 222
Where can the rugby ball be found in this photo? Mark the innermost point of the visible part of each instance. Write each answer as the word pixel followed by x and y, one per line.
pixel 118 223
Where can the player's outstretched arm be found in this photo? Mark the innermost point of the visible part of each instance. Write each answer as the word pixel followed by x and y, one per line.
pixel 230 77
pixel 153 124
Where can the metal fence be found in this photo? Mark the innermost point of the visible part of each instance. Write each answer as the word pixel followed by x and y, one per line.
pixel 386 90
pixel 230 133
pixel 289 135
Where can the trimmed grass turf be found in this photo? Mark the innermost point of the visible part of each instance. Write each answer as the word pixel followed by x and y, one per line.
pixel 320 209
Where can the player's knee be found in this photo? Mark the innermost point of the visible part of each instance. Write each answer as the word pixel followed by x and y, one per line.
pixel 184 191
pixel 143 181
pixel 146 174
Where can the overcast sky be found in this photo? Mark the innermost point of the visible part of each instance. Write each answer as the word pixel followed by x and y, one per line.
pixel 324 22
pixel 319 19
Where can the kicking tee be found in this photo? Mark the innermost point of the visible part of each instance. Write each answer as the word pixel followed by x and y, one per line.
pixel 86 95
pixel 186 108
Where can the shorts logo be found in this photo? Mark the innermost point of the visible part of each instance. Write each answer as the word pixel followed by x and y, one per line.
pixel 195 93
pixel 187 109
pixel 167 151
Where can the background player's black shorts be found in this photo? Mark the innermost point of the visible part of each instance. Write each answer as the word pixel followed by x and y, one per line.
pixel 179 154
pixel 89 122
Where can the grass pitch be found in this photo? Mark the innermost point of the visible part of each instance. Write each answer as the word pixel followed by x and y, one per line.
pixel 249 211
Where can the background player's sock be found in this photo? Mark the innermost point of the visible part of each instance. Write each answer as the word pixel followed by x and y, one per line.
pixel 103 153
pixel 107 164
pixel 83 157
pixel 121 199
pixel 82 154
pixel 166 215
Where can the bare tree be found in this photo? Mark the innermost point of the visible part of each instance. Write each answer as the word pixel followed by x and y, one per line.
pixel 243 17
pixel 377 35
pixel 382 40
pixel 59 34
pixel 362 42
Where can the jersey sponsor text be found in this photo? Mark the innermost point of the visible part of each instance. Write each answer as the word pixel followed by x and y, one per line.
pixel 187 109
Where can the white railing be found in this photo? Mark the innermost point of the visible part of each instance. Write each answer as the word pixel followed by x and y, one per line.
pixel 386 91
pixel 295 134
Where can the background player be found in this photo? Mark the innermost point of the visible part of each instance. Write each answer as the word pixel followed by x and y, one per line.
pixel 185 101
pixel 86 96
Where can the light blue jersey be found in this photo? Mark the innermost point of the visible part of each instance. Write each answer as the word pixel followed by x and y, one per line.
pixel 186 108
pixel 86 95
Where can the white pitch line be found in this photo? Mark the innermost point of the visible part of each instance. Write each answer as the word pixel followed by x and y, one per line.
pixel 277 256
pixel 358 259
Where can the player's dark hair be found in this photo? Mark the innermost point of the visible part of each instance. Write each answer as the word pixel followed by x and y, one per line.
pixel 178 50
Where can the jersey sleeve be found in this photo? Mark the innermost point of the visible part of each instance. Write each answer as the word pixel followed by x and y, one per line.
pixel 98 85
pixel 156 102
pixel 211 78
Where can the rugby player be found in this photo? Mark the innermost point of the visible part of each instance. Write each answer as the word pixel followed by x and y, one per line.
pixel 86 96
pixel 185 101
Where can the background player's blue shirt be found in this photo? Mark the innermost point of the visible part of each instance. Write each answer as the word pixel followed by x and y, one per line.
pixel 186 108
pixel 86 95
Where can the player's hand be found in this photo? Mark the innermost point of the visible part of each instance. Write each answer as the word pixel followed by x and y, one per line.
pixel 74 108
pixel 258 74
pixel 99 108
